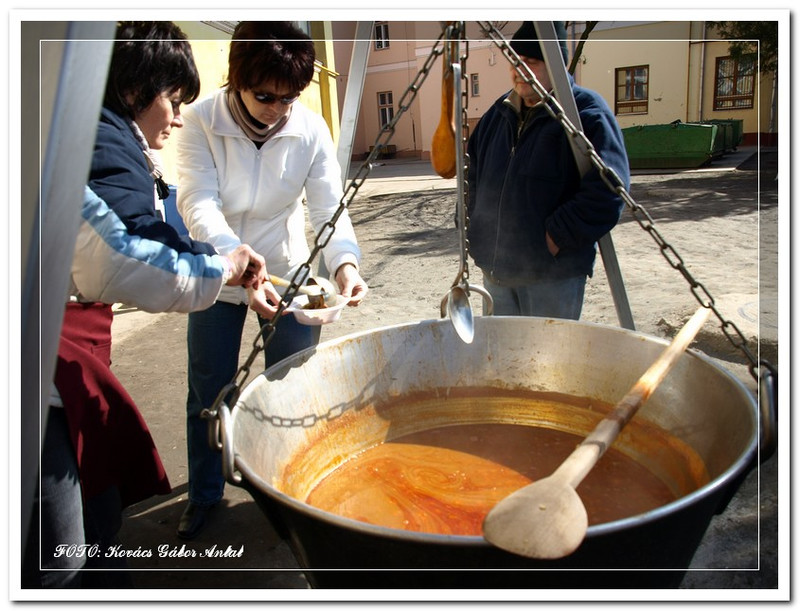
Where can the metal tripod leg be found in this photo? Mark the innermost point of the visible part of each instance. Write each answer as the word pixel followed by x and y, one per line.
pixel 349 120
pixel 563 93
pixel 352 95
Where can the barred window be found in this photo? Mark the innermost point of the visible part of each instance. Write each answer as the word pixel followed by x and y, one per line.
pixel 735 83
pixel 631 91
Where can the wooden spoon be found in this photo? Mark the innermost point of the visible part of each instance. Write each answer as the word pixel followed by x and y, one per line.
pixel 443 146
pixel 547 518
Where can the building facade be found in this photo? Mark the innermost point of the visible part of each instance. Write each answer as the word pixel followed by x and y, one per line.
pixel 648 72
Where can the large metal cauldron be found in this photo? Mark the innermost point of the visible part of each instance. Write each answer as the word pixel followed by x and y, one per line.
pixel 296 422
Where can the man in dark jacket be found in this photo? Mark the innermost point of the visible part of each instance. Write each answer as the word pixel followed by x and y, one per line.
pixel 534 221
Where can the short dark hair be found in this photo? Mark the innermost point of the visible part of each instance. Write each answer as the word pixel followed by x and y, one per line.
pixel 270 50
pixel 149 58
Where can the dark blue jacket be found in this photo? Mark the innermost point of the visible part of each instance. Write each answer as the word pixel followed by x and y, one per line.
pixel 524 181
pixel 119 176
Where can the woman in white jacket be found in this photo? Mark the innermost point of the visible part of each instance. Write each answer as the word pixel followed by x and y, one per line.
pixel 248 154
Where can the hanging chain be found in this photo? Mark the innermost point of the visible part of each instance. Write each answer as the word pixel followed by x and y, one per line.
pixel 230 392
pixel 461 33
pixel 615 184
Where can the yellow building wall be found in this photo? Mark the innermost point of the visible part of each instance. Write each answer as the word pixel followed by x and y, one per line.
pixel 662 46
pixel 754 122
pixel 682 58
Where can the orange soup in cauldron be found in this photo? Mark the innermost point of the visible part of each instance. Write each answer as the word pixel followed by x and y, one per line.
pixel 445 480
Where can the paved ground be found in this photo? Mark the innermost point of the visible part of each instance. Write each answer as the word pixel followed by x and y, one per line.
pixel 738 552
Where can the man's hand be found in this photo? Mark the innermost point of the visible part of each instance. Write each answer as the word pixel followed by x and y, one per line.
pixel 551 246
pixel 248 268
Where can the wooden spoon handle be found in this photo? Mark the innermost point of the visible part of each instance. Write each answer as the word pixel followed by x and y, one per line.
pixel 585 456
pixel 443 146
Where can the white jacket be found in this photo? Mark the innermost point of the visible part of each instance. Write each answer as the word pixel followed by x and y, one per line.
pixel 232 193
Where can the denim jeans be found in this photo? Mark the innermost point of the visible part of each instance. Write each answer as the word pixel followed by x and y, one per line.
pixel 60 506
pixel 62 522
pixel 556 299
pixel 213 339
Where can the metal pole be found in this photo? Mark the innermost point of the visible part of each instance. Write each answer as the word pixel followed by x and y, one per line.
pixel 563 93
pixel 353 93
pixel 349 121
pixel 72 71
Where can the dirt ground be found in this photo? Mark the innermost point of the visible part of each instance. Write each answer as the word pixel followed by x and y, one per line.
pixel 722 220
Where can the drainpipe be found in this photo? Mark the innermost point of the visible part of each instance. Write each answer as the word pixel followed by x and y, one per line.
pixel 702 72
pixel 697 44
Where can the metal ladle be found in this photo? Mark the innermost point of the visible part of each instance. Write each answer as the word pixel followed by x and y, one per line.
pixel 456 303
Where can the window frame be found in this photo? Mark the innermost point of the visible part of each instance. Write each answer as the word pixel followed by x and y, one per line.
pixel 381 35
pixel 735 78
pixel 627 106
pixel 385 105
pixel 474 85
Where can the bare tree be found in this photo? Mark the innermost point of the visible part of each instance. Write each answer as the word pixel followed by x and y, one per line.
pixel 750 36
pixel 576 57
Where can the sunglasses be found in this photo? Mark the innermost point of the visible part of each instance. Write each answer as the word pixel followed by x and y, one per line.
pixel 271 98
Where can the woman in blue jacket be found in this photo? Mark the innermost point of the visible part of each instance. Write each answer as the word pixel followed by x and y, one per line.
pixel 533 220
pixel 97 454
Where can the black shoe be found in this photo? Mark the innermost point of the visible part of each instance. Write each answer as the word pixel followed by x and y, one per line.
pixel 192 521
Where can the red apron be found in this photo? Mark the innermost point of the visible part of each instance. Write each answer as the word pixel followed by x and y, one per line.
pixel 111 440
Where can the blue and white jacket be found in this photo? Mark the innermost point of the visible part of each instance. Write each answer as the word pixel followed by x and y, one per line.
pixel 113 264
pixel 125 252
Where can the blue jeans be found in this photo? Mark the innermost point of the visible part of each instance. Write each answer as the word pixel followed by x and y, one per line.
pixel 62 520
pixel 60 506
pixel 213 340
pixel 555 299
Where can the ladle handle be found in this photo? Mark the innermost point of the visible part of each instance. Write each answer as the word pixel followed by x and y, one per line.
pixel 306 290
pixel 585 456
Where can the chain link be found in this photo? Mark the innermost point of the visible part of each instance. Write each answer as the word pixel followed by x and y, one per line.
pixel 615 184
pixel 461 34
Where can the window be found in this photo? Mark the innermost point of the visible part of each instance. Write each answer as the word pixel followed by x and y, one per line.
pixel 381 35
pixel 385 107
pixel 474 85
pixel 735 82
pixel 630 97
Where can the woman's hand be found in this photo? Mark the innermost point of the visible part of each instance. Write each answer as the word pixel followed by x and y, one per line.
pixel 263 299
pixel 351 284
pixel 247 267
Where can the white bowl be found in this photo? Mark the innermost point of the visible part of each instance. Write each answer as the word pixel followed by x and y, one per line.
pixel 316 317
